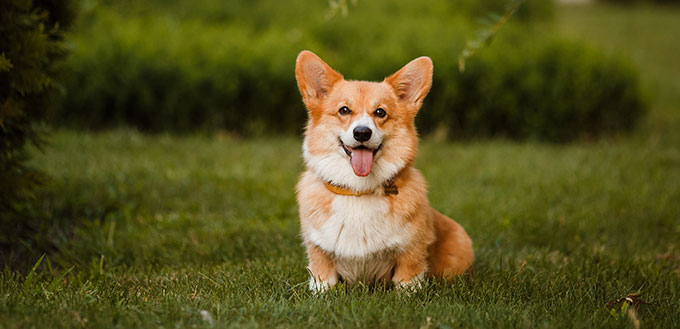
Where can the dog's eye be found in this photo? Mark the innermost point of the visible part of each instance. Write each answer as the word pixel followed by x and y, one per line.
pixel 344 110
pixel 380 112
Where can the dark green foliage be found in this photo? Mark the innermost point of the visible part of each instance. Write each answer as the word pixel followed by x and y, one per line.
pixel 230 66
pixel 673 2
pixel 530 10
pixel 30 43
pixel 158 77
pixel 548 90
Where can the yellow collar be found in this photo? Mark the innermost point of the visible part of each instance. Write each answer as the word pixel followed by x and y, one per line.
pixel 388 188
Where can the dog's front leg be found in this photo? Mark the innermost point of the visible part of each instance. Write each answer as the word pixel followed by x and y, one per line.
pixel 410 269
pixel 321 268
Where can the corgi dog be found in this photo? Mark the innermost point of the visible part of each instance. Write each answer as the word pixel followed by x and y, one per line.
pixel 364 212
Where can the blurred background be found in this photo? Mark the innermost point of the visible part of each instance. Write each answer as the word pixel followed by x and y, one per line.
pixel 559 71
pixel 183 66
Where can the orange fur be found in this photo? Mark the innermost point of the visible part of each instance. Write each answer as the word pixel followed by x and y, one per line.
pixel 451 253
pixel 376 234
pixel 320 264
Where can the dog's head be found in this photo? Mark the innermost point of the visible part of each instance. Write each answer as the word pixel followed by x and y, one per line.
pixel 360 134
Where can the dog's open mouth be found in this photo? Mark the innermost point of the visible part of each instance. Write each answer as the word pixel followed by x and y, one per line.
pixel 361 158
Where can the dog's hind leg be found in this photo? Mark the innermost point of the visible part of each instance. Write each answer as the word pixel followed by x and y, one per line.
pixel 451 254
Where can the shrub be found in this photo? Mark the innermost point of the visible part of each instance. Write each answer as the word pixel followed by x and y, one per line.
pixel 154 76
pixel 550 90
pixel 162 72
pixel 674 2
pixel 30 44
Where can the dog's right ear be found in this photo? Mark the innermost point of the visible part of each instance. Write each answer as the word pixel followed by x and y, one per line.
pixel 314 78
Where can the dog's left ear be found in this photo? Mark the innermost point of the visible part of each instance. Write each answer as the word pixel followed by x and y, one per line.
pixel 413 81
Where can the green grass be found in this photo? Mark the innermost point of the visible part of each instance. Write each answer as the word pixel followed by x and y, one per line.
pixel 170 226
pixel 148 231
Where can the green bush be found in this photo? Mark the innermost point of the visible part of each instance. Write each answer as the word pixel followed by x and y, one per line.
pixel 268 12
pixel 158 76
pixel 30 44
pixel 675 2
pixel 542 89
pixel 168 71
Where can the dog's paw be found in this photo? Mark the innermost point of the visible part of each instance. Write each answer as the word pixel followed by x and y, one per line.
pixel 412 285
pixel 319 286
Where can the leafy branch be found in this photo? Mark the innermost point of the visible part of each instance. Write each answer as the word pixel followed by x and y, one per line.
pixel 339 6
pixel 493 23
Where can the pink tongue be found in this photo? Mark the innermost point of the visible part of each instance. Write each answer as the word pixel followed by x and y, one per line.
pixel 362 161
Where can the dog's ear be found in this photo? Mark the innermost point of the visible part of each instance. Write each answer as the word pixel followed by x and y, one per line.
pixel 413 81
pixel 314 78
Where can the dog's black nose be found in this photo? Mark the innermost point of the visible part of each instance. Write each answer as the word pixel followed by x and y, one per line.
pixel 362 133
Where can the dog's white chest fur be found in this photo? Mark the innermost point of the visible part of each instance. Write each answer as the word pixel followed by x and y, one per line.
pixel 363 237
pixel 360 227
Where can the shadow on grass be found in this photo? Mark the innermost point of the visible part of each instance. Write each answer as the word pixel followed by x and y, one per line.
pixel 79 222
pixel 51 217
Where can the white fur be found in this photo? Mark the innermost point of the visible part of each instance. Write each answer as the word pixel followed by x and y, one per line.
pixel 361 235
pixel 373 143
pixel 413 285
pixel 335 167
pixel 414 282
pixel 317 285
pixel 372 268
pixel 359 227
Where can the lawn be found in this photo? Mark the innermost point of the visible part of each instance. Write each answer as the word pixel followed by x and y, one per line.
pixel 201 231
